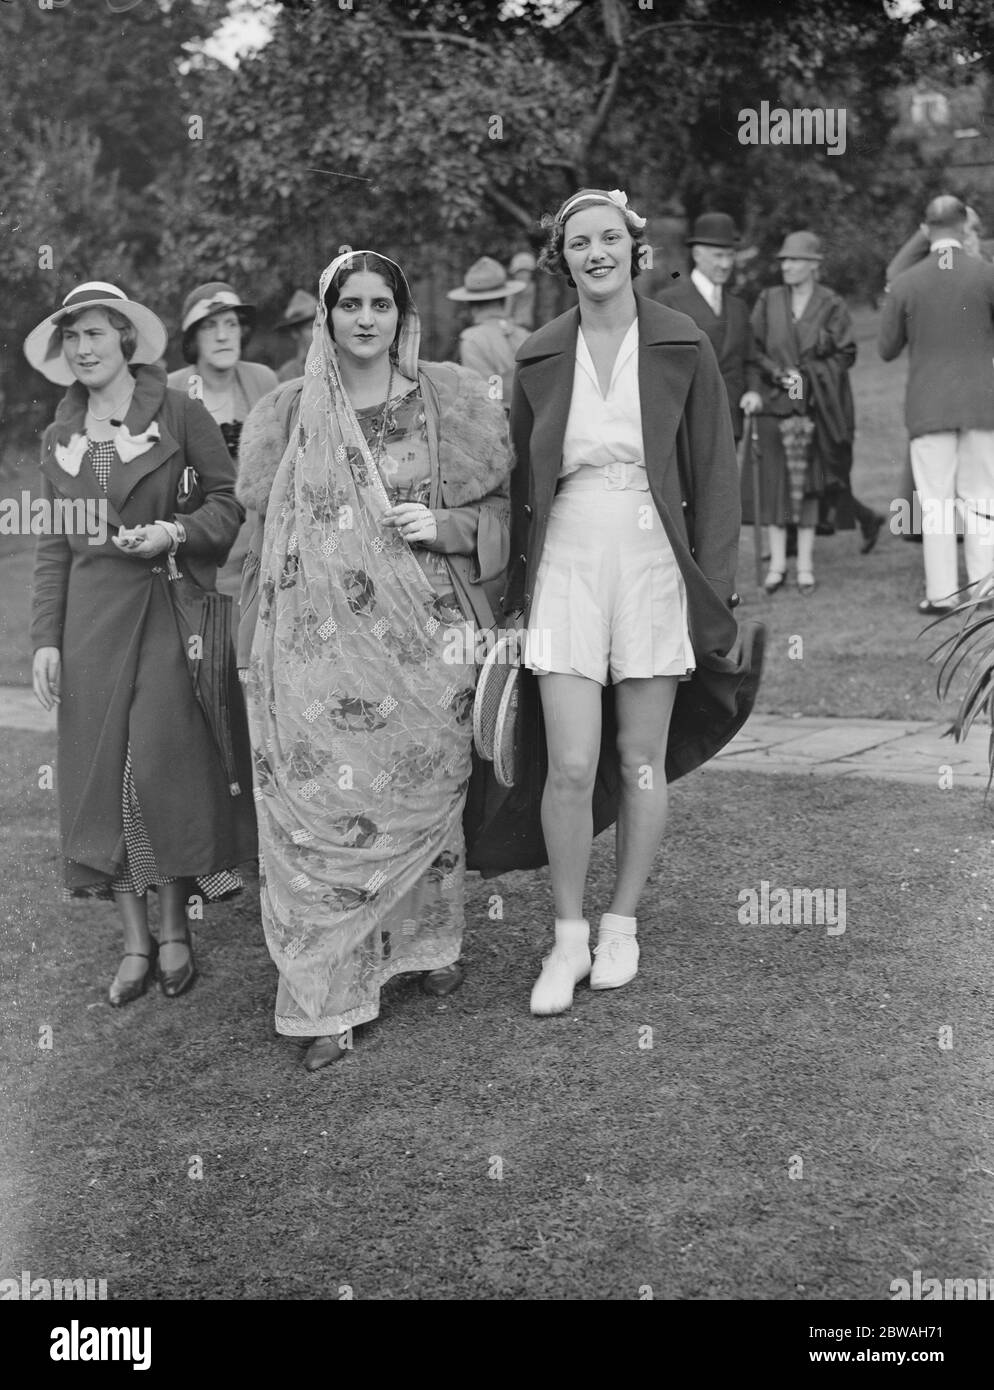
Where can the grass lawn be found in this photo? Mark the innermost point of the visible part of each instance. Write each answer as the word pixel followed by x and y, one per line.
pixel 861 651
pixel 621 1165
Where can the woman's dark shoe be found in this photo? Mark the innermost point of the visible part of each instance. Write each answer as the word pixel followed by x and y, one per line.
pixel 806 584
pixel 439 983
pixel 774 580
pixel 322 1052
pixel 927 608
pixel 871 532
pixel 174 982
pixel 126 992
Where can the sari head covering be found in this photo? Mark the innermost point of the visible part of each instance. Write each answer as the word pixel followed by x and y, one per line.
pixel 360 726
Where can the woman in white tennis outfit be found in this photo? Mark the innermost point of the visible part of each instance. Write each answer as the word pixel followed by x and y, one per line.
pixel 618 412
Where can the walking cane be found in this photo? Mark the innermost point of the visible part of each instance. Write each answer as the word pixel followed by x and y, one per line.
pixel 749 457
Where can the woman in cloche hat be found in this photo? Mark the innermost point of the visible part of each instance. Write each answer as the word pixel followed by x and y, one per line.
pixel 216 324
pixel 144 797
pixel 805 348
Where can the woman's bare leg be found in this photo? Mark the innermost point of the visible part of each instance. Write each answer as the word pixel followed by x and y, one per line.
pixel 643 709
pixel 571 706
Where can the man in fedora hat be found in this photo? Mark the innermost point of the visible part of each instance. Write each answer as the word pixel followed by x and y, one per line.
pixel 488 346
pixel 722 315
pixel 298 324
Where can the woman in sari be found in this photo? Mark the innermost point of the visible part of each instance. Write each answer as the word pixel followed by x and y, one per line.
pixel 379 488
pixel 805 347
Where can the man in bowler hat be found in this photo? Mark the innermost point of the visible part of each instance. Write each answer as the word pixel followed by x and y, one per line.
pixel 718 312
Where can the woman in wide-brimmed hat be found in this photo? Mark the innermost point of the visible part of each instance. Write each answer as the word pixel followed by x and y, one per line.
pixel 380 484
pixel 624 540
pixel 147 795
pixel 216 324
pixel 488 346
pixel 805 347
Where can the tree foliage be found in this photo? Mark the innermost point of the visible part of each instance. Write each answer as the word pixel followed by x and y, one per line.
pixel 440 130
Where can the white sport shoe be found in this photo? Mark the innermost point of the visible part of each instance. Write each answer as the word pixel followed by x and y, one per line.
pixel 561 971
pixel 616 961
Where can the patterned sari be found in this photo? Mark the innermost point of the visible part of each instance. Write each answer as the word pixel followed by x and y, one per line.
pixel 361 729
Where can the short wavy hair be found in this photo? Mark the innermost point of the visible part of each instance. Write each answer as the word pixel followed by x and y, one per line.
pixel 125 328
pixel 551 257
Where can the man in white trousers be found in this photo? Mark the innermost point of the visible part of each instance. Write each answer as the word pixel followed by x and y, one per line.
pixel 943 309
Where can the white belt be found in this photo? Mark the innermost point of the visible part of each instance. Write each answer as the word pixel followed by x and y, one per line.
pixel 614 477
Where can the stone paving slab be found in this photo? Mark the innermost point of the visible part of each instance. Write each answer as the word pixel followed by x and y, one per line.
pixel 20 710
pixel 896 750
pixel 893 750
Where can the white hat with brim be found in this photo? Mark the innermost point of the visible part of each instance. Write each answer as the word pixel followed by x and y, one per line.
pixel 43 345
pixel 486 279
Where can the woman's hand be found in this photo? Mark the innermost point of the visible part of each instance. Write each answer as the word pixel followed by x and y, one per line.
pixel 415 522
pixel 751 403
pixel 46 671
pixel 144 541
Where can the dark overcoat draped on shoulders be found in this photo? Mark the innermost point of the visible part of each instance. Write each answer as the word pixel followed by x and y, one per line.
pixel 124 675
pixel 730 333
pixel 694 482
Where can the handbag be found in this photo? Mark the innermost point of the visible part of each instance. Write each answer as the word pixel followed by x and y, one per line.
pixel 189 491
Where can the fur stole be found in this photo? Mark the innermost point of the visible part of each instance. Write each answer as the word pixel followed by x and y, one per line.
pixel 473 454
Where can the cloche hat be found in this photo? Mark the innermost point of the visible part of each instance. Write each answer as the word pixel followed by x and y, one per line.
pixel 43 345
pixel 800 246
pixel 213 298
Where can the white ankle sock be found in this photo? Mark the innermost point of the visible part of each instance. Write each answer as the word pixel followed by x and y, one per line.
pixel 620 926
pixel 573 933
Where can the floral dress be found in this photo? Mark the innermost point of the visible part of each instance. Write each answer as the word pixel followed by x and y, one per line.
pixel 423 929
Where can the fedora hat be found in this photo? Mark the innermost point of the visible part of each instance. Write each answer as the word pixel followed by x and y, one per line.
pixel 713 229
pixel 522 260
pixel 800 246
pixel 43 345
pixel 213 298
pixel 486 279
pixel 301 309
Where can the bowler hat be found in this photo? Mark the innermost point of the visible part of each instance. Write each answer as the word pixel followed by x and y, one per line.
pixel 214 298
pixel 713 229
pixel 43 345
pixel 486 279
pixel 800 246
pixel 301 309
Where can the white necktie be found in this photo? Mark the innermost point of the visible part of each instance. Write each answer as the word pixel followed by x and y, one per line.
pixel 716 300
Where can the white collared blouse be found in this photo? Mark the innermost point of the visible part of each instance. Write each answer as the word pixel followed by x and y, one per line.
pixel 603 430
